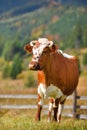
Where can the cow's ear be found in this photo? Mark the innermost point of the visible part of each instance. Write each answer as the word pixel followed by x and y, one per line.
pixel 54 48
pixel 28 48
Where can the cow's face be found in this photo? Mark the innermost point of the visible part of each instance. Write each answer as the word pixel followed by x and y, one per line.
pixel 41 50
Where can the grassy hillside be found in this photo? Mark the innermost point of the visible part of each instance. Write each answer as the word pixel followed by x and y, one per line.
pixel 48 20
pixel 63 24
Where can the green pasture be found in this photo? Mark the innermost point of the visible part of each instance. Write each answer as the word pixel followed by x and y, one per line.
pixel 26 122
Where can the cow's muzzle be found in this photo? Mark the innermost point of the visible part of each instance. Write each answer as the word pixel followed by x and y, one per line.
pixel 34 66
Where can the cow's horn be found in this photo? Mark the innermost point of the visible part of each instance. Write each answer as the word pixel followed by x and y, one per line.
pixel 50 43
pixel 32 43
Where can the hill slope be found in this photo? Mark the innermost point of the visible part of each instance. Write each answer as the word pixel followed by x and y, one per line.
pixel 45 18
pixel 17 7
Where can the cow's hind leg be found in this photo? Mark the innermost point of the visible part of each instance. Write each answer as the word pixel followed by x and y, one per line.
pixel 50 109
pixel 55 109
pixel 60 109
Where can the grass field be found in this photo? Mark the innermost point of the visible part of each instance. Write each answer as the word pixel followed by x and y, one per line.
pixel 24 119
pixel 25 122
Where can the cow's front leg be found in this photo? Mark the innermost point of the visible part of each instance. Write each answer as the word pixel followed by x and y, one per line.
pixel 40 105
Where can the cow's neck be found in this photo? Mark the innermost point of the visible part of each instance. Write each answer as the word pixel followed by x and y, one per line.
pixel 47 76
pixel 50 69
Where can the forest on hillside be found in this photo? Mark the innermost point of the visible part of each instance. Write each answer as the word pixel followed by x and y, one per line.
pixel 64 24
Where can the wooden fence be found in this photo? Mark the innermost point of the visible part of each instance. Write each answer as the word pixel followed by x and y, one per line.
pixel 73 97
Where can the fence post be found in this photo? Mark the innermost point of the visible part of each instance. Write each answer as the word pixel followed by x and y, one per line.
pixel 74 103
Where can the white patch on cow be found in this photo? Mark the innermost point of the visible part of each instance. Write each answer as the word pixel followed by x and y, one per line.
pixel 42 90
pixel 50 106
pixel 55 92
pixel 45 41
pixel 41 102
pixel 50 91
pixel 42 93
pixel 37 51
pixel 65 54
pixel 60 109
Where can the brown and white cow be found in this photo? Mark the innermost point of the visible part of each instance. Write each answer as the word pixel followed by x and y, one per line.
pixel 58 74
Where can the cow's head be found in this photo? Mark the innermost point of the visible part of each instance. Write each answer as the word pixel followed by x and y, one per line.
pixel 41 49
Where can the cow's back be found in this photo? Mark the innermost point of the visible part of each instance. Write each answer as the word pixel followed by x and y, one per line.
pixel 72 74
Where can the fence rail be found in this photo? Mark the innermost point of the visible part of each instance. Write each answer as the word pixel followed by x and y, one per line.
pixel 16 96
pixel 73 97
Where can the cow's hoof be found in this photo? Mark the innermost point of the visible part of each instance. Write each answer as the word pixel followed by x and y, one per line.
pixel 49 120
pixel 54 120
pixel 37 119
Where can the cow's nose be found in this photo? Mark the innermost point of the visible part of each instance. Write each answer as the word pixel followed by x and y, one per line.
pixel 31 66
pixel 34 66
pixel 37 67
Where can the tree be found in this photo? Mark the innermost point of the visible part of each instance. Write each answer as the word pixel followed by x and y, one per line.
pixel 5 71
pixel 1 45
pixel 84 37
pixel 7 51
pixel 11 48
pixel 85 59
pixel 16 66
pixel 78 33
